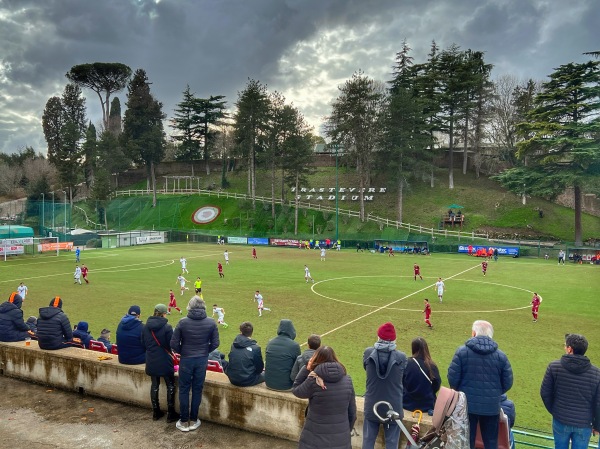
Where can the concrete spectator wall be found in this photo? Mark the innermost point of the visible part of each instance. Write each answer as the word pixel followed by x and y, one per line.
pixel 255 409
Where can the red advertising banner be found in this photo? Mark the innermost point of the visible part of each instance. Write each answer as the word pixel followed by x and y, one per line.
pixel 43 247
pixel 285 242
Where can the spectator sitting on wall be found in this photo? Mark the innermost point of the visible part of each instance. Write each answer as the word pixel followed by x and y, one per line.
pixel 281 354
pixel 314 342
pixel 12 326
pixel 82 332
pixel 54 328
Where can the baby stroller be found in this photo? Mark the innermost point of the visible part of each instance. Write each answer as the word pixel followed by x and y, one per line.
pixel 450 422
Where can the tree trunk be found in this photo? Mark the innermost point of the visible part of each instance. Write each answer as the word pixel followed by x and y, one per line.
pixel 253 179
pixel 224 171
pixel 153 179
pixel 250 174
pixel 431 180
pixel 451 155
pixel 361 195
pixel 273 189
pixel 296 202
pixel 400 198
pixel 578 234
pixel 466 145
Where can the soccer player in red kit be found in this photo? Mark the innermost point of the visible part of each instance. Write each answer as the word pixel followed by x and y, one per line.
pixel 427 313
pixel 417 270
pixel 84 272
pixel 535 306
pixel 172 303
pixel 484 267
pixel 391 252
pixel 254 253
pixel 470 250
pixel 220 268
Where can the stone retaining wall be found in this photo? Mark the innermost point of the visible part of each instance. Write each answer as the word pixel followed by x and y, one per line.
pixel 255 409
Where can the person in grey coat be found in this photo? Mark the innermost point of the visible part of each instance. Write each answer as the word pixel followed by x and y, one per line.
pixel 571 393
pixel 281 354
pixel 481 371
pixel 314 342
pixel 385 367
pixel 331 410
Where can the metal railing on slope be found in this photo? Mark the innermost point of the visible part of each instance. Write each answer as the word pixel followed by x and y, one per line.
pixel 307 205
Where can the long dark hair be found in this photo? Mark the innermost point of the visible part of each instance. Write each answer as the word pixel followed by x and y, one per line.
pixel 420 350
pixel 325 354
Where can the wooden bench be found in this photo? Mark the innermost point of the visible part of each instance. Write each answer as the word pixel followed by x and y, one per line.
pixel 448 220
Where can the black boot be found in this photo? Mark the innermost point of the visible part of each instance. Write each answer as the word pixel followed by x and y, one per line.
pixel 156 412
pixel 172 415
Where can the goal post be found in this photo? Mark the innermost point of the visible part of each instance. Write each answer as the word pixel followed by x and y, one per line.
pixel 29 246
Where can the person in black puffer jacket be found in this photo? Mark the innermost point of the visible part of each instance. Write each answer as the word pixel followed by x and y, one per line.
pixel 12 326
pixel 194 338
pixel 483 373
pixel 156 336
pixel 54 328
pixel 129 344
pixel 245 367
pixel 331 410
pixel 571 393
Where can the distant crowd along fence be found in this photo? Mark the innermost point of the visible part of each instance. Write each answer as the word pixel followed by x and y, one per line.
pixel 314 206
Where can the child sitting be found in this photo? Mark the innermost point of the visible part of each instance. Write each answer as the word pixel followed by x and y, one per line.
pixel 105 338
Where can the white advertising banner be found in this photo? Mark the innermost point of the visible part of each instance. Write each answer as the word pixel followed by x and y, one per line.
pixel 9 250
pixel 150 239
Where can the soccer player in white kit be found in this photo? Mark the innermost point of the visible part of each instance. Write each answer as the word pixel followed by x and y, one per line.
pixel 182 282
pixel 322 254
pixel 307 275
pixel 440 288
pixel 220 311
pixel 183 265
pixel 226 255
pixel 260 303
pixel 22 290
pixel 77 275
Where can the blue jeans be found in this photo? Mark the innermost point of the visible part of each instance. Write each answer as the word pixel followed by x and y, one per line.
pixel 489 430
pixel 563 434
pixel 371 429
pixel 192 372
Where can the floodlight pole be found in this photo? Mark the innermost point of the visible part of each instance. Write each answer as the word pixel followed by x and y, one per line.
pixel 337 209
pixel 43 209
pixel 52 210
pixel 65 228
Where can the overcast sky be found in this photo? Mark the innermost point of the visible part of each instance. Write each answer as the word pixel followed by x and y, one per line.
pixel 304 49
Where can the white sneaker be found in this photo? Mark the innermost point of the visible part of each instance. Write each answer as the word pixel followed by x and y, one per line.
pixel 195 425
pixel 183 426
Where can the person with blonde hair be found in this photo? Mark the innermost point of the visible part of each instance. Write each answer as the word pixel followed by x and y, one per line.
pixel 331 410
pixel 194 338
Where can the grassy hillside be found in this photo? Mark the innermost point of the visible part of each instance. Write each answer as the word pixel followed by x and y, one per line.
pixel 488 208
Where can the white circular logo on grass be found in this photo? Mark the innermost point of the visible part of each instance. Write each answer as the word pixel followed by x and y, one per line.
pixel 206 214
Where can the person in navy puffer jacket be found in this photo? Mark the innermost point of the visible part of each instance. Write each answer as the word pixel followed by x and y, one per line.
pixel 483 373
pixel 129 332
pixel 12 326
pixel 54 327
pixel 82 332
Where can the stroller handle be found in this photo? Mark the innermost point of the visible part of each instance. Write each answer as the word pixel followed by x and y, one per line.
pixel 390 414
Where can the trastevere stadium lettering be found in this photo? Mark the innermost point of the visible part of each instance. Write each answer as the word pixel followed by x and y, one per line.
pixel 344 193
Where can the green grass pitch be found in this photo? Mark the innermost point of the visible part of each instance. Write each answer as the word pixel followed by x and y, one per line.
pixel 354 293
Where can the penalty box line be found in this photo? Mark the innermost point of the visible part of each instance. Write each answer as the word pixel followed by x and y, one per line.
pixel 391 304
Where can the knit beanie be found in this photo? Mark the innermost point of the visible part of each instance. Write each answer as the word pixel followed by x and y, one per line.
pixel 56 302
pixel 15 299
pixel 387 332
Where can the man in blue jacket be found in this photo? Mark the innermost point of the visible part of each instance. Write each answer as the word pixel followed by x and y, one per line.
pixel 129 343
pixel 12 326
pixel 571 393
pixel 483 373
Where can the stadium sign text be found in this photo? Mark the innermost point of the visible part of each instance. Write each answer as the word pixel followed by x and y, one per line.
pixel 344 193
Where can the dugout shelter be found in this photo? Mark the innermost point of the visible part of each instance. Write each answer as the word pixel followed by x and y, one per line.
pixel 15 232
pixel 402 246
pixel 584 254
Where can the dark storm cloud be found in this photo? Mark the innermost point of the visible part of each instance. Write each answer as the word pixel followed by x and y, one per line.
pixel 303 48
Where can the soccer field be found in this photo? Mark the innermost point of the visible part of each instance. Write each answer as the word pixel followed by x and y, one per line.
pixel 353 294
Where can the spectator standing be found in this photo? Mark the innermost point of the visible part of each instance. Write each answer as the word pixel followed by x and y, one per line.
pixel 385 367
pixel 314 342
pixel 245 367
pixel 156 336
pixel 194 338
pixel 132 350
pixel 281 354
pixel 83 334
pixel 483 373
pixel 54 327
pixel 421 378
pixel 331 412
pixel 12 326
pixel 571 393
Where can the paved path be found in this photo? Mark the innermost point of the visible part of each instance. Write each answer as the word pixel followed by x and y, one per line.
pixel 36 417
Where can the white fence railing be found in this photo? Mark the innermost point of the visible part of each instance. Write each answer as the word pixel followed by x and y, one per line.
pixel 314 206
